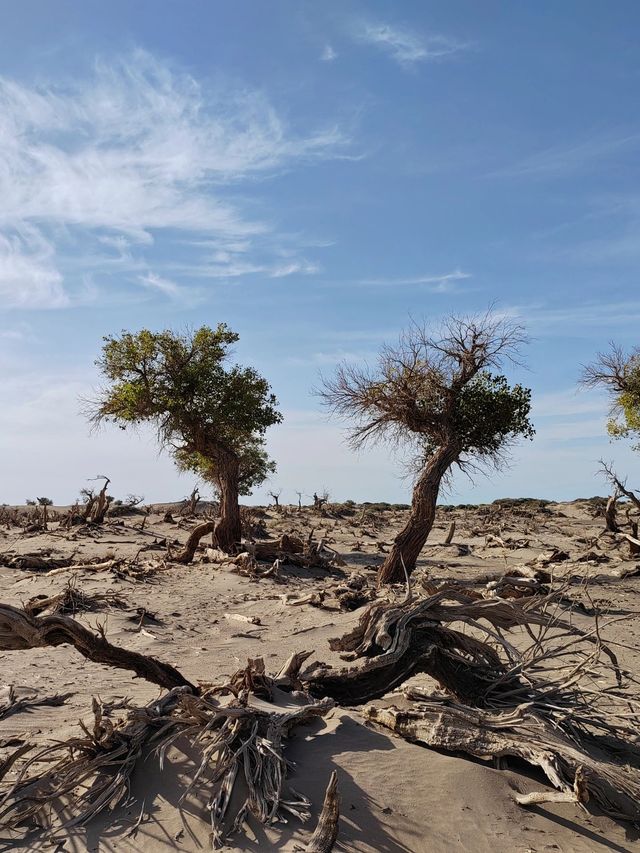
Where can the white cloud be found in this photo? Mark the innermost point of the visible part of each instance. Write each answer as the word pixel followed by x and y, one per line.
pixel 570 402
pixel 301 267
pixel 135 150
pixel 407 47
pixel 435 283
pixel 157 282
pixel 328 54
pixel 28 274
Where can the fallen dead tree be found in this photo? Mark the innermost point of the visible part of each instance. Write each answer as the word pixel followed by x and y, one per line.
pixel 399 640
pixel 520 733
pixel 287 550
pixel 19 630
pixel 559 703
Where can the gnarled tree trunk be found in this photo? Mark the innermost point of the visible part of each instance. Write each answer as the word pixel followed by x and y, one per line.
pixel 228 528
pixel 410 541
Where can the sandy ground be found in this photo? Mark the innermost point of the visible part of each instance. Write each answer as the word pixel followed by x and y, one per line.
pixel 395 796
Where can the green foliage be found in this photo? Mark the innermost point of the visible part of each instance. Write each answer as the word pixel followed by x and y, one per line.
pixel 619 372
pixel 255 467
pixel 204 409
pixel 488 413
pixel 627 404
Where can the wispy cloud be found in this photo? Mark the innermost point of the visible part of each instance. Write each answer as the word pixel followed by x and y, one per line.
pixel 153 281
pixel 28 274
pixel 405 46
pixel 114 160
pixel 565 159
pixel 328 54
pixel 570 402
pixel 577 319
pixel 434 283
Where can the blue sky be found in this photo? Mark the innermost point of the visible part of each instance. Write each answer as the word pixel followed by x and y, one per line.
pixel 312 174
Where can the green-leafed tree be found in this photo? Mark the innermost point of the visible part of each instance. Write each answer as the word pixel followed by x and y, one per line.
pixel 254 468
pixel 212 415
pixel 437 395
pixel 619 372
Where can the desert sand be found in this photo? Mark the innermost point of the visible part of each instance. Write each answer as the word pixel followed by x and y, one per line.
pixel 395 796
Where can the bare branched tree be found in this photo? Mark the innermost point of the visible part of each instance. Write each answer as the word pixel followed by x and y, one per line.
pixel 437 395
pixel 618 372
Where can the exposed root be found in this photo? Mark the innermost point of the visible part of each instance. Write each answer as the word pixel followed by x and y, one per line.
pixel 398 640
pixel 11 703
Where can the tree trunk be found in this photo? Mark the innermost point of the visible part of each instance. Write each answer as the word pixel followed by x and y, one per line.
pixel 191 546
pixel 610 514
pixel 228 528
pixel 410 541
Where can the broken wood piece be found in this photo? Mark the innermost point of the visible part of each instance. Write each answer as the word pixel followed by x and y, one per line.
pixel 240 617
pixel 449 537
pixel 579 794
pixel 85 567
pixel 326 832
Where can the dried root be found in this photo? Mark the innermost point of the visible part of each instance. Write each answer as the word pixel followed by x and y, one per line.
pixel 90 774
pixel 73 600
pixel 11 703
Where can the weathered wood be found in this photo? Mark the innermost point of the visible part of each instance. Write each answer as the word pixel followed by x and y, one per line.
pixel 19 630
pixel 191 545
pixel 326 832
pixel 610 514
pixel 450 532
pixel 520 733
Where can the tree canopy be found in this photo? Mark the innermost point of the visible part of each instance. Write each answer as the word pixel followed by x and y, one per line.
pixel 212 415
pixel 183 385
pixel 436 393
pixel 619 372
pixel 433 391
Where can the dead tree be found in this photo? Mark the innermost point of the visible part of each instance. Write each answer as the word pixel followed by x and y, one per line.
pixel 95 507
pixel 620 486
pixel 320 500
pixel 191 503
pixel 19 630
pixel 611 512
pixel 568 714
pixel 436 394
pixel 275 496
